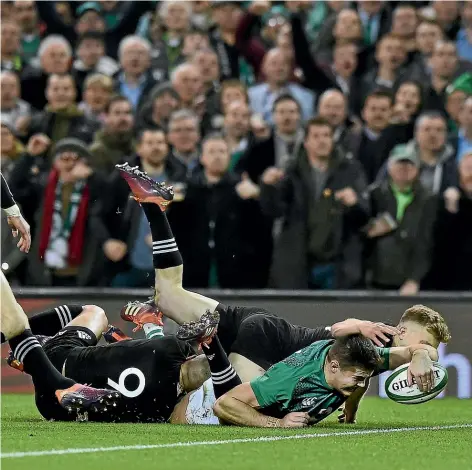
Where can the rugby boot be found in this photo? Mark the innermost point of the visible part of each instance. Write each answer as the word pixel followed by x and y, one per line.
pixel 140 313
pixel 145 189
pixel 82 398
pixel 113 335
pixel 202 331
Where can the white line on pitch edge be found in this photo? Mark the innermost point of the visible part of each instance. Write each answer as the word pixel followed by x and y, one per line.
pixel 85 450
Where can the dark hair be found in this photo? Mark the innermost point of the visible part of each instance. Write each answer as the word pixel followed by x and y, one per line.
pixel 141 132
pixel 213 136
pixel 317 122
pixel 115 99
pixel 355 351
pixel 379 93
pixel 285 97
pixel 95 35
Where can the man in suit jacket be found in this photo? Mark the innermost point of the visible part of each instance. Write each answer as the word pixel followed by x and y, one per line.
pixel 277 68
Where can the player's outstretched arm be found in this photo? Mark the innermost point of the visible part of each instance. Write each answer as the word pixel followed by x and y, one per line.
pixel 374 331
pixel 238 407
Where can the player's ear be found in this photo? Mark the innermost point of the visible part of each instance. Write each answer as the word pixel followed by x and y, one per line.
pixel 334 365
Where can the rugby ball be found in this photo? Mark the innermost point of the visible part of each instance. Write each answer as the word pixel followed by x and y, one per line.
pixel 397 389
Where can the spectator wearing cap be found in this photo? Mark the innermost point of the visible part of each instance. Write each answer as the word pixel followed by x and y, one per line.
pixel 91 58
pixel 134 79
pixel 400 231
pixel 435 156
pixel 277 71
pixel 114 143
pixel 12 107
pixel 452 255
pixel 96 94
pixel 226 17
pixel 11 148
pixel 61 117
pixel 184 137
pixel 129 244
pixel 55 57
pixel 163 101
pixel 320 198
pixel 66 248
pixel 456 94
pixel 26 15
pixel 90 18
pixel 10 34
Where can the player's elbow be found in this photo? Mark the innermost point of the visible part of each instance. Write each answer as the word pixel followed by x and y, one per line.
pixel 221 405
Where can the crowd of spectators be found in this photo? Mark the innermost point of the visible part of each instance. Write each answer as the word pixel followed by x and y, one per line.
pixel 311 144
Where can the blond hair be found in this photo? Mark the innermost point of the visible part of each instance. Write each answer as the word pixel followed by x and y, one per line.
pixel 429 319
pixel 99 79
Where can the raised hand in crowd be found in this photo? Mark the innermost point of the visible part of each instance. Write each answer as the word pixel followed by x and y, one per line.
pixel 38 144
pixel 272 176
pixel 247 189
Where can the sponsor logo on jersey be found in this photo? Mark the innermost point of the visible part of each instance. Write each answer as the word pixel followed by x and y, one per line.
pixel 309 401
pixel 83 335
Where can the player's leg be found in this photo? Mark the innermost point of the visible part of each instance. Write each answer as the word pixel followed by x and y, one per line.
pixel 93 318
pixel 245 368
pixel 51 321
pixel 47 379
pixel 172 299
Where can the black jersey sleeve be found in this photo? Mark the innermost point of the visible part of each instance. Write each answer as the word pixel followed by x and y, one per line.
pixel 6 195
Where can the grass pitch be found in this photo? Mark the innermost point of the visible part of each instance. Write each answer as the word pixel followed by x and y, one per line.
pixel 388 435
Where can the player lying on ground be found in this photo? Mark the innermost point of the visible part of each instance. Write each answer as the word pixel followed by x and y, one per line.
pixel 273 338
pixel 153 374
pixel 64 395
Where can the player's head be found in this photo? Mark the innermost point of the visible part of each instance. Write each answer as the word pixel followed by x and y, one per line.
pixel 350 362
pixel 194 372
pixel 421 324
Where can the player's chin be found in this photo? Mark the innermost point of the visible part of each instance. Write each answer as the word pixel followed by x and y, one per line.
pixel 348 391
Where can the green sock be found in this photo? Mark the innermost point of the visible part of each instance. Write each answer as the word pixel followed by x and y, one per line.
pixel 152 330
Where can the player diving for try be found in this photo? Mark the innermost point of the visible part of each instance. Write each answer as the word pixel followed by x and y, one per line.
pixel 202 314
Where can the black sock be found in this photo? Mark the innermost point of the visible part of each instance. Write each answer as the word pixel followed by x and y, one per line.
pixel 223 375
pixel 4 340
pixel 46 378
pixel 165 253
pixel 48 323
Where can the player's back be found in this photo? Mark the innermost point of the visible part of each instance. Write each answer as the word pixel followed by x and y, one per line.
pixel 146 372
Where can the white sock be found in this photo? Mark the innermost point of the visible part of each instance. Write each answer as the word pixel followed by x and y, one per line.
pixel 152 330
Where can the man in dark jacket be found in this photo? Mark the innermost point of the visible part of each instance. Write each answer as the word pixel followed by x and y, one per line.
pixel 128 247
pixel 320 201
pixel 66 248
pixel 452 254
pixel 61 117
pixel 401 229
pixel 213 224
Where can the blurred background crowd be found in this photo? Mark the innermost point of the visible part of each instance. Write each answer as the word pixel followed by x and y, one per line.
pixel 311 144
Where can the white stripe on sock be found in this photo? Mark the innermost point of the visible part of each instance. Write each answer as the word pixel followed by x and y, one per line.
pixel 68 314
pixel 223 377
pixel 223 372
pixel 166 245
pixel 24 345
pixel 28 350
pixel 164 251
pixel 160 242
pixel 222 381
pixel 60 314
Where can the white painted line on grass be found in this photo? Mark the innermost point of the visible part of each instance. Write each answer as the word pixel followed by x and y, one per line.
pixel 89 450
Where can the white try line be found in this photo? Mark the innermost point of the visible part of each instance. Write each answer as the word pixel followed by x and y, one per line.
pixel 85 450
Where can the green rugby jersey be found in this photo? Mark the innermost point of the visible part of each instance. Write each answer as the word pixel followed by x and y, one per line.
pixel 298 383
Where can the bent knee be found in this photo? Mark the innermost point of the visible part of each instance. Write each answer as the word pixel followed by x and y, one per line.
pixel 97 313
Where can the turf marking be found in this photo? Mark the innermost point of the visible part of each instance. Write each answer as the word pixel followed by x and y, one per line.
pixel 85 450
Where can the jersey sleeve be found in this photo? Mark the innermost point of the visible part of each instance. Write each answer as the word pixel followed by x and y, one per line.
pixel 275 386
pixel 384 354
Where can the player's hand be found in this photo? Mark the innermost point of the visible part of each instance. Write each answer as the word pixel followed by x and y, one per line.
pixel 19 225
pixel 376 332
pixel 409 288
pixel 38 144
pixel 115 250
pixel 272 176
pixel 347 415
pixel 247 189
pixel 421 370
pixel 295 420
